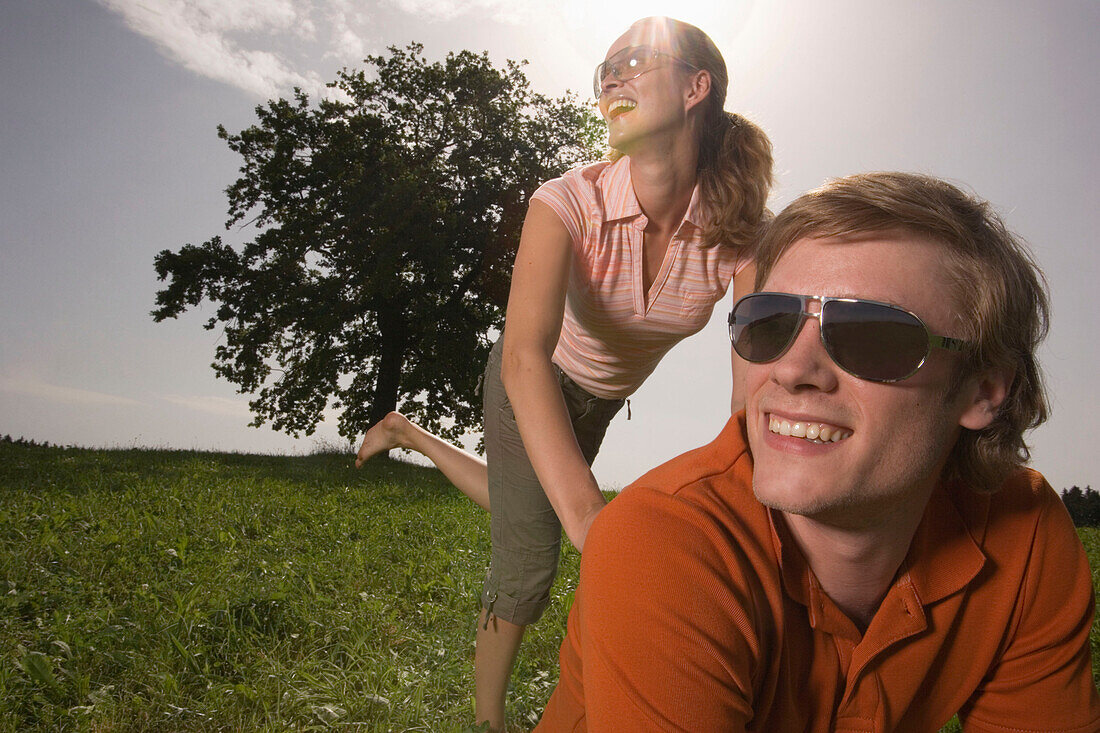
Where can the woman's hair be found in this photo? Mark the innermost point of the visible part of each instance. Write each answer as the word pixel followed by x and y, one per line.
pixel 1000 295
pixel 735 156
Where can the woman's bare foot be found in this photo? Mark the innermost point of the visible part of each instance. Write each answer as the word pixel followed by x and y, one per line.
pixel 383 435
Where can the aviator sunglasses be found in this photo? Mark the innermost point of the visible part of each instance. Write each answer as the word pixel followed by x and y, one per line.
pixel 630 63
pixel 870 340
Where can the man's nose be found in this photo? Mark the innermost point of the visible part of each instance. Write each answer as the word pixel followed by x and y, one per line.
pixel 806 364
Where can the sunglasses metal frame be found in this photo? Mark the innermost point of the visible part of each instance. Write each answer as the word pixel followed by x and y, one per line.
pixel 610 66
pixel 934 340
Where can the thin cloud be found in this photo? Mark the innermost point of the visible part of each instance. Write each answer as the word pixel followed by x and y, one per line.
pixel 214 405
pixel 268 47
pixel 230 406
pixel 344 17
pixel 505 11
pixel 34 387
pixel 348 44
pixel 208 37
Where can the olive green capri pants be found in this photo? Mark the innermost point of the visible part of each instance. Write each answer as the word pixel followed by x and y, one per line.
pixel 525 531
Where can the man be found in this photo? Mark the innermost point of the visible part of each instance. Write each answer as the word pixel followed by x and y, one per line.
pixel 860 550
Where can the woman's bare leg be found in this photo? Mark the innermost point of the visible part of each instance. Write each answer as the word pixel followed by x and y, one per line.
pixel 498 644
pixel 465 470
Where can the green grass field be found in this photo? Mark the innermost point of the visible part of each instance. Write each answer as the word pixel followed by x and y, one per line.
pixel 166 590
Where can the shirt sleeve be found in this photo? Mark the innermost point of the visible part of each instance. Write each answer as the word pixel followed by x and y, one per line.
pixel 660 636
pixel 1043 679
pixel 565 196
pixel 743 261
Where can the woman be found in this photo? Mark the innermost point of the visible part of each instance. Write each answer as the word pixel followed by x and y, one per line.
pixel 618 261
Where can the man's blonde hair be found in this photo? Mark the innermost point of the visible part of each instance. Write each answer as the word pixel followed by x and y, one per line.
pixel 1000 294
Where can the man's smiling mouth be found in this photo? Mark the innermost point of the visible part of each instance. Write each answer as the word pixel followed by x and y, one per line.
pixel 815 432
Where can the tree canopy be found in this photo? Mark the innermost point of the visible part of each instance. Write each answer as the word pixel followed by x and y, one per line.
pixel 387 222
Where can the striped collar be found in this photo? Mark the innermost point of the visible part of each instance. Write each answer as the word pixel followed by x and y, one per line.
pixel 617 193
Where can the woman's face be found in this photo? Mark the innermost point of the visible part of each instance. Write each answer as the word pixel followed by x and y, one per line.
pixel 656 101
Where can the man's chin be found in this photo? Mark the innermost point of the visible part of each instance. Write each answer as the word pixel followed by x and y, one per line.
pixel 784 501
pixel 793 497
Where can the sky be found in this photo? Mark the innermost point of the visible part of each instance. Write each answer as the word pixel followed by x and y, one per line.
pixel 109 155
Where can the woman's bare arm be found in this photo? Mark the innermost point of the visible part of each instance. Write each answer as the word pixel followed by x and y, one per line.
pixel 535 307
pixel 744 283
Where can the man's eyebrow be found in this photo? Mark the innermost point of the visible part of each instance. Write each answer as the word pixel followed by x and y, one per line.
pixel 877 299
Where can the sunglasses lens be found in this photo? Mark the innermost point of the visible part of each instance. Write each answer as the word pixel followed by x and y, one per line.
pixel 634 63
pixel 762 326
pixel 627 64
pixel 874 341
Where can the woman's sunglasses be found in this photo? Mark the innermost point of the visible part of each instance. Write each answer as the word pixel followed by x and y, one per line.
pixel 630 63
pixel 867 339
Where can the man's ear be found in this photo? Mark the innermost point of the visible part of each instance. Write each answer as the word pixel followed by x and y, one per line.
pixel 699 89
pixel 984 395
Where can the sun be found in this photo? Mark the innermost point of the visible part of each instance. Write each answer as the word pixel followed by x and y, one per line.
pixel 616 13
pixel 596 25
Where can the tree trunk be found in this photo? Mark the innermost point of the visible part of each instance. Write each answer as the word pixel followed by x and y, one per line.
pixel 391 324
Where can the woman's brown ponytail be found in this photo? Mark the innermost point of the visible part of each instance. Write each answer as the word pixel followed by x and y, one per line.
pixel 735 174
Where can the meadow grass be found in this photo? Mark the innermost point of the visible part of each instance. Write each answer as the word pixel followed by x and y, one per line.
pixel 170 590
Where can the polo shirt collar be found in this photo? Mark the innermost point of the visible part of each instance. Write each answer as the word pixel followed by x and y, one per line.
pixel 942 558
pixel 620 201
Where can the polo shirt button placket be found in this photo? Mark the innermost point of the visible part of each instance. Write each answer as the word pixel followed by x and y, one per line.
pixel 852 717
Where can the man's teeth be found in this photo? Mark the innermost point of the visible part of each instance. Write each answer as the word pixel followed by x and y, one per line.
pixel 816 432
pixel 620 106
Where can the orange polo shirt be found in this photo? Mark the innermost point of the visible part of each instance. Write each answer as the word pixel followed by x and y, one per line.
pixel 696 612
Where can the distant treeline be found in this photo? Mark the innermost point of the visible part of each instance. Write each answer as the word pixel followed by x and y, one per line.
pixel 26 441
pixel 1083 506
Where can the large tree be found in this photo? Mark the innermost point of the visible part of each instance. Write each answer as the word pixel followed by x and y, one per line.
pixel 387 219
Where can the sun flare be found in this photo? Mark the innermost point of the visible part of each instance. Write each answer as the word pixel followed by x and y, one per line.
pixel 608 20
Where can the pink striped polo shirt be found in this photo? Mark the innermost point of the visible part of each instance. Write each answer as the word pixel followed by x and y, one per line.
pixel 613 332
